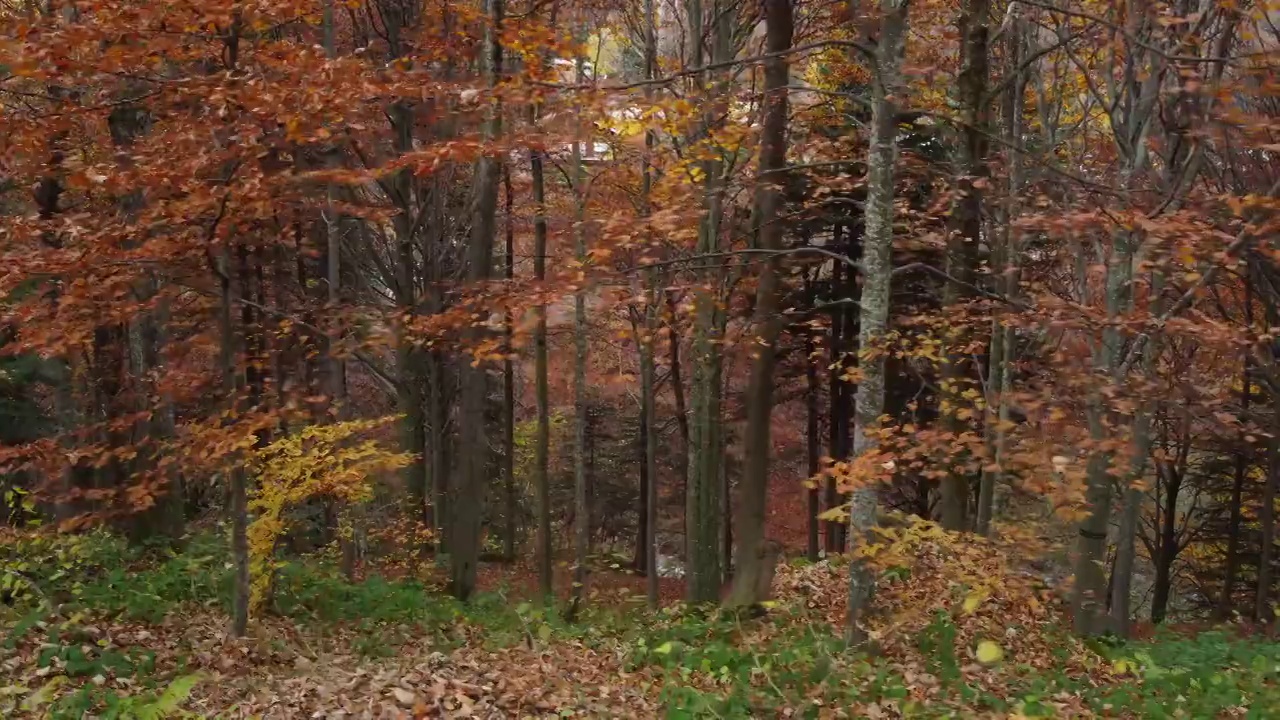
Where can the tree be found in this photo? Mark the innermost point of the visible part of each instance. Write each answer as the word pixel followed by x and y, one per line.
pixel 751 553
pixel 465 543
pixel 877 272
pixel 964 236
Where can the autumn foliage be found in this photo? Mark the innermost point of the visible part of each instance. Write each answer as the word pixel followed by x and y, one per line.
pixel 969 303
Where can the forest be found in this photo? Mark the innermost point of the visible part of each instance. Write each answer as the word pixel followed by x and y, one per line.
pixel 646 358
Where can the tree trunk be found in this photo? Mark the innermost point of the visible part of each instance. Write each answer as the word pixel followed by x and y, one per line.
pixel 648 369
pixel 439 462
pixel 837 389
pixel 703 510
pixel 812 443
pixel 336 373
pixel 1003 346
pixel 640 560
pixel 1263 608
pixel 1131 123
pixel 769 198
pixel 1167 548
pixel 1090 595
pixel 238 498
pixel 466 532
pixel 877 271
pixel 650 474
pixel 542 433
pixel 581 506
pixel 1225 603
pixel 509 390
pixel 962 244
pixel 1135 495
pixel 677 395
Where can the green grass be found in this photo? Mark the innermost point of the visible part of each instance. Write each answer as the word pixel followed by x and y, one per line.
pixel 716 664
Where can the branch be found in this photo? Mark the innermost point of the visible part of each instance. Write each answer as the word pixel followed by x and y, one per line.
pixel 389 382
pixel 847 261
pixel 1080 15
pixel 1239 243
pixel 689 72
pixel 968 286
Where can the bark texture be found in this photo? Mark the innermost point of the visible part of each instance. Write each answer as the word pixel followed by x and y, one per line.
pixel 877 271
pixel 750 556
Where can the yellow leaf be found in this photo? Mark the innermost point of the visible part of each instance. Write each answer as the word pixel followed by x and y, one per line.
pixel 989 652
pixel 1120 667
pixel 44 695
pixel 972 602
pixel 835 513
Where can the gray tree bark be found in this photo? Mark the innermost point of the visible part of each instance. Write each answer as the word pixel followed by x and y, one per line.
pixel 466 532
pixel 877 262
pixel 1006 259
pixel 1134 97
pixel 581 510
pixel 239 503
pixel 647 361
pixel 703 512
pixel 509 388
pixel 1134 496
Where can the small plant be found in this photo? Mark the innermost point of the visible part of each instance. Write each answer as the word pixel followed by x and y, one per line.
pixel 43 565
pixel 107 704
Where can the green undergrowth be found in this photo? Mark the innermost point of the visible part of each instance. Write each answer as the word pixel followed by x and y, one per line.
pixel 712 663
pixel 1209 675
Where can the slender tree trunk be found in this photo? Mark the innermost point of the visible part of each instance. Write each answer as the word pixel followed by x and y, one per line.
pixel 877 264
pixel 476 465
pixel 1131 123
pixel 336 373
pixel 677 394
pixel 751 549
pixel 581 507
pixel 238 504
pixel 812 442
pixel 1226 603
pixel 439 463
pixel 962 243
pixel 648 369
pixel 509 390
pixel 726 504
pixel 837 389
pixel 640 560
pixel 1167 547
pixel 1134 495
pixel 1003 345
pixel 650 460
pixel 1264 609
pixel 542 432
pixel 1090 595
pixel 335 366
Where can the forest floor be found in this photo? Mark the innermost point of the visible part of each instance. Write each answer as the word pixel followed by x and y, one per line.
pixel 97 630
